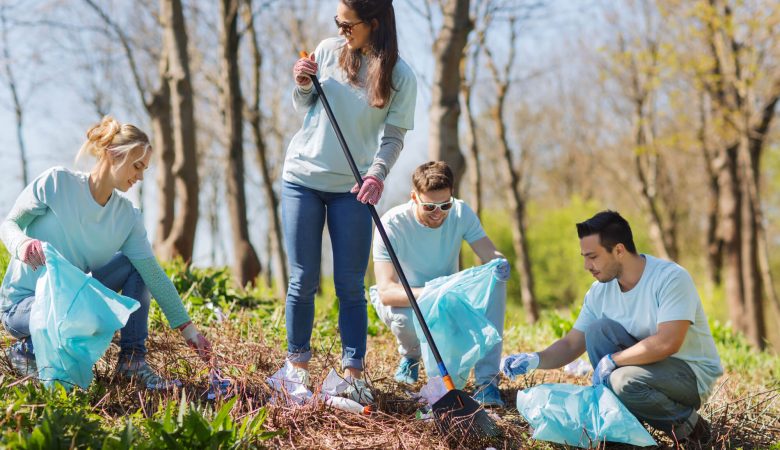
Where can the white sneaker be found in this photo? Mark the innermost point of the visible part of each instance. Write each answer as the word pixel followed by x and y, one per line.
pixel 303 374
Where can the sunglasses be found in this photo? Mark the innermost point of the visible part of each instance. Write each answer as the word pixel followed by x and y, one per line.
pixel 431 207
pixel 345 26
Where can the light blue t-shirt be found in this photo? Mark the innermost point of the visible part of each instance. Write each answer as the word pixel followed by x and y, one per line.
pixel 314 158
pixel 427 253
pixel 68 217
pixel 665 292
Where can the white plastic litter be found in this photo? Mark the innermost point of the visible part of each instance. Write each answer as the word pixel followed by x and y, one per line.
pixel 345 404
pixel 289 384
pixel 290 388
pixel 334 384
pixel 579 367
pixel 433 390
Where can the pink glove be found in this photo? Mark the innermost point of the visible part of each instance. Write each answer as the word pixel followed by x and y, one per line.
pixel 32 253
pixel 196 341
pixel 302 69
pixel 371 190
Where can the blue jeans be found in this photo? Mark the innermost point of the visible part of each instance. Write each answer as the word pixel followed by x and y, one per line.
pixel 304 212
pixel 663 394
pixel 118 275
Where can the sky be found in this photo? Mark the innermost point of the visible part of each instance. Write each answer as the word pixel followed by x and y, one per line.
pixel 56 114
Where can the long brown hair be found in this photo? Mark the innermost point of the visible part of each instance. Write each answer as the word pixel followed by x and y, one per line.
pixel 382 51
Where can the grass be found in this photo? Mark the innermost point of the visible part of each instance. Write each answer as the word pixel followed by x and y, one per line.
pixel 247 329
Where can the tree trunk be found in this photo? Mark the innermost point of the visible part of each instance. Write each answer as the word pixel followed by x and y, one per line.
pixel 471 137
pixel 181 240
pixel 738 178
pixel 516 205
pixel 713 165
pixel 515 198
pixel 246 265
pixel 445 106
pixel 158 106
pixel 162 128
pixel 276 244
pixel 751 273
pixel 17 103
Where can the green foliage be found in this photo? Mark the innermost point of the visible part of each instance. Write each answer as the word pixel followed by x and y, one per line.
pixel 562 322
pixel 210 294
pixel 737 356
pixel 559 277
pixel 188 427
pixel 5 257
pixel 38 418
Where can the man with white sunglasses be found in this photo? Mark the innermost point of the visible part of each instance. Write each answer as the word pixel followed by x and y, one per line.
pixel 427 233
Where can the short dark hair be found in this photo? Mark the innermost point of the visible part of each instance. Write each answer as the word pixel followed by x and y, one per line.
pixel 612 229
pixel 432 176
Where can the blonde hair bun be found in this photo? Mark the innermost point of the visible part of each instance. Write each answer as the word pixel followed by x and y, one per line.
pixel 110 134
pixel 101 135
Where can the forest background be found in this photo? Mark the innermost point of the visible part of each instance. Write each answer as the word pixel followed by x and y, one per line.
pixel 548 111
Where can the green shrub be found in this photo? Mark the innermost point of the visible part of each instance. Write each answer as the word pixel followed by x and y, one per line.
pixel 190 428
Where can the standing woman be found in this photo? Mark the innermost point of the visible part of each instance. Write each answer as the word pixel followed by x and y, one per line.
pixel 372 92
pixel 97 230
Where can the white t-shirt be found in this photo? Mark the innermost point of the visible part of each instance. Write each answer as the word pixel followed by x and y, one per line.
pixel 427 253
pixel 314 158
pixel 665 292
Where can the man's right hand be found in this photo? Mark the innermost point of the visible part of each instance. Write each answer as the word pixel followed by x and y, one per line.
pixel 519 364
pixel 302 69
pixel 31 252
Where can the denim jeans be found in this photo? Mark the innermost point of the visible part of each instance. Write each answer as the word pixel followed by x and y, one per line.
pixel 400 321
pixel 663 394
pixel 118 275
pixel 304 212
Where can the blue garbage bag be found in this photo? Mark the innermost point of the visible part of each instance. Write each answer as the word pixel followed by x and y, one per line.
pixel 581 416
pixel 454 307
pixel 72 321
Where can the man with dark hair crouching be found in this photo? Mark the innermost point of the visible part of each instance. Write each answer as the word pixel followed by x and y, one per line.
pixel 645 332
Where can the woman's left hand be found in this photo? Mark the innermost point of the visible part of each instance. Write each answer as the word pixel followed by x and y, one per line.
pixel 370 192
pixel 197 341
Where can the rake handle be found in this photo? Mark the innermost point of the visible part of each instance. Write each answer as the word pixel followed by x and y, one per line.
pixel 381 229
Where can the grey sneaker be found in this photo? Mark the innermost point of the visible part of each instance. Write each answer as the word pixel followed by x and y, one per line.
pixel 22 359
pixel 358 391
pixel 138 371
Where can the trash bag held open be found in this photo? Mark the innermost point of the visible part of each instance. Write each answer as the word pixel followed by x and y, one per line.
pixel 454 307
pixel 72 321
pixel 582 416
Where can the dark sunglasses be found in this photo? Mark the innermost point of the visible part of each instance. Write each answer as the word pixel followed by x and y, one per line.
pixel 345 26
pixel 431 207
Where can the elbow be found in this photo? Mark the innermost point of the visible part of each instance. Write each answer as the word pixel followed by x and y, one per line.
pixel 670 348
pixel 383 299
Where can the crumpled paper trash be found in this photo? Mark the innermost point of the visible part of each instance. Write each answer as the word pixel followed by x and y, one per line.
pixel 288 384
pixel 289 388
pixel 578 367
pixel 334 384
pixel 433 390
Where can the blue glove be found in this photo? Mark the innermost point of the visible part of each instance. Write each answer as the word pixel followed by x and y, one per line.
pixel 603 370
pixel 519 364
pixel 503 271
